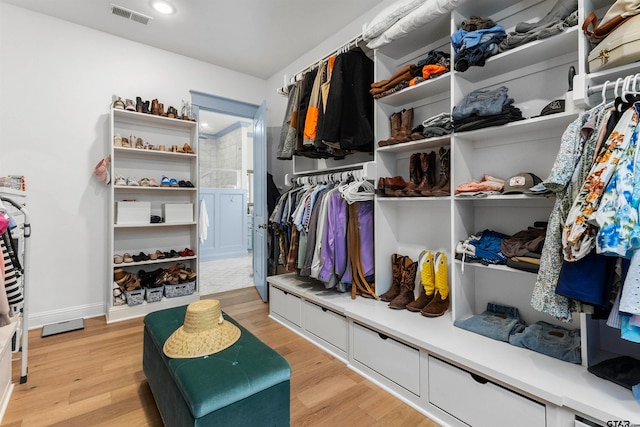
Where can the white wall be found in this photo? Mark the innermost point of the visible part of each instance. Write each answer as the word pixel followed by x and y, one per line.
pixel 56 84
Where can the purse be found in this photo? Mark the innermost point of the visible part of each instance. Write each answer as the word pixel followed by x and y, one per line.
pixel 620 47
pixel 619 13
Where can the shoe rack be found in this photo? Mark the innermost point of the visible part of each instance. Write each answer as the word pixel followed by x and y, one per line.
pixel 142 235
pixel 454 376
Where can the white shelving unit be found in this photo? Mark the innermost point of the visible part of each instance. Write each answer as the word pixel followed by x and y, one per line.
pixel 452 375
pixel 149 237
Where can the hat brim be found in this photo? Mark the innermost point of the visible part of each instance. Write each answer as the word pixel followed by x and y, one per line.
pixel 183 345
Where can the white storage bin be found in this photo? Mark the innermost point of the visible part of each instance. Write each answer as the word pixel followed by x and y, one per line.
pixel 285 305
pixel 133 213
pixel 390 358
pixel 479 402
pixel 177 212
pixel 326 324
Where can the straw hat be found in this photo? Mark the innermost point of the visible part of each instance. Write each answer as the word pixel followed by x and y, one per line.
pixel 204 332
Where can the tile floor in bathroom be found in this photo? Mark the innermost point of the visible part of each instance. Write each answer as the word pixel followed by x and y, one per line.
pixel 225 274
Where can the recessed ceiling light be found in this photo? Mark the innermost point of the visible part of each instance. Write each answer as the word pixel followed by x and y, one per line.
pixel 163 7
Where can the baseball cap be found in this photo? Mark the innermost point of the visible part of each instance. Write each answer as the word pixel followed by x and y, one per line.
pixel 553 107
pixel 520 183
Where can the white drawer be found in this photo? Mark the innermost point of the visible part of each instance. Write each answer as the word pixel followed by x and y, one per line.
pixel 326 324
pixel 394 360
pixel 478 402
pixel 285 305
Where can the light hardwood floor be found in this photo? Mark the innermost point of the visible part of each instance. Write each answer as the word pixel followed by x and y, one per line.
pixel 93 377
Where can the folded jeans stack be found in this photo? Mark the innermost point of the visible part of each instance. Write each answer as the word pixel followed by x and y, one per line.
pixel 485 108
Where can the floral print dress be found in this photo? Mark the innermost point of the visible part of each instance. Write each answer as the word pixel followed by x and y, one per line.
pixel 580 229
pixel 617 214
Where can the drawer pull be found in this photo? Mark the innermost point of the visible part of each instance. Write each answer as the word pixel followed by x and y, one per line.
pixel 285 292
pixel 324 309
pixel 383 336
pixel 478 378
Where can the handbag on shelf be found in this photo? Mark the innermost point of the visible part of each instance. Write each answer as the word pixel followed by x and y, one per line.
pixel 618 14
pixel 620 47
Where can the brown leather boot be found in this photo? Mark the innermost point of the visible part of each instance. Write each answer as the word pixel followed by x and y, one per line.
pixel 398 264
pixel 155 109
pixel 395 121
pixel 415 176
pixel 407 286
pixel 427 167
pixel 427 288
pixel 440 302
pixel 406 124
pixel 442 187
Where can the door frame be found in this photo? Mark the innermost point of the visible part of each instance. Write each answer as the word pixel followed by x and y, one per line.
pixel 219 104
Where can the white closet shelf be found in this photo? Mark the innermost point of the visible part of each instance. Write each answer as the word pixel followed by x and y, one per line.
pixel 425 89
pixel 143 188
pixel 146 153
pixel 154 261
pixel 401 201
pixel 535 52
pixel 512 200
pixel 422 144
pixel 541 127
pixel 160 224
pixel 152 120
pixel 497 267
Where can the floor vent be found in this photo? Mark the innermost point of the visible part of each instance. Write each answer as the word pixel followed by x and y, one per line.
pixel 123 12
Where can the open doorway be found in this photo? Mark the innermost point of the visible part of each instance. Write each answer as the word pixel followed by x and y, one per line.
pixel 226 180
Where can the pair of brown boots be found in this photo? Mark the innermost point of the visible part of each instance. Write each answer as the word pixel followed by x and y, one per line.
pixel 433 300
pixel 401 127
pixel 422 182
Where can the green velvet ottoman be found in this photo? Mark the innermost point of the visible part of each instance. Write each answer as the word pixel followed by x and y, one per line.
pixel 244 385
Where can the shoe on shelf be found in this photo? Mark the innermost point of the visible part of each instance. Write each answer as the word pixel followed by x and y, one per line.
pixel 117 140
pixel 187 252
pixel 159 254
pixel 187 149
pixel 129 105
pixel 145 182
pixel 153 182
pixel 120 181
pixel 139 143
pixel 173 182
pixel 132 182
pixel 165 182
pixel 125 142
pixel 117 259
pixel 127 257
pixel 118 104
pixel 188 184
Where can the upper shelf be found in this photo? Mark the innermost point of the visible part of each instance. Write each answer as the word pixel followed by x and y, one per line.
pixel 522 56
pixel 422 90
pixel 145 153
pixel 152 120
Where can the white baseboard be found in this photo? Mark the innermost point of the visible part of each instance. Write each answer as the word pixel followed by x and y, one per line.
pixel 37 320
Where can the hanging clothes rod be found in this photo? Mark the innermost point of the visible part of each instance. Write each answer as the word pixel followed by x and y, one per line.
pixel 345 47
pixel 591 90
pixel 329 177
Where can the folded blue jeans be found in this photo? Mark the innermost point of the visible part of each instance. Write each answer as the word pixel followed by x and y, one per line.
pixel 483 102
pixel 497 322
pixel 552 340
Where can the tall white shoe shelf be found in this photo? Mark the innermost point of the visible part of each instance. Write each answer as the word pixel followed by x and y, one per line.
pixel 148 237
pixel 454 376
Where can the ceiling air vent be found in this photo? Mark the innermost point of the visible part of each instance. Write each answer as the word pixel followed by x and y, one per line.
pixel 129 14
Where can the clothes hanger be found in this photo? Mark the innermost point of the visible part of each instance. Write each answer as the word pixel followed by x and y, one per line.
pixel 603 102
